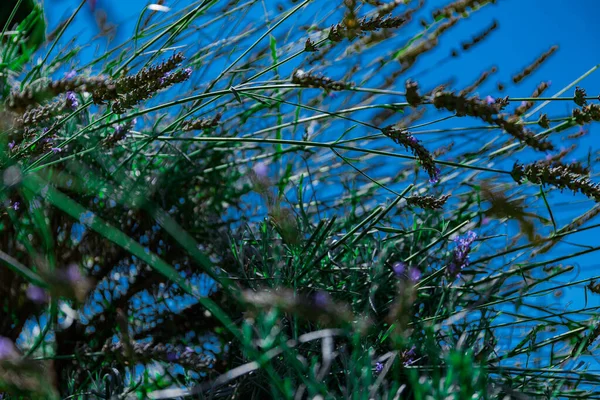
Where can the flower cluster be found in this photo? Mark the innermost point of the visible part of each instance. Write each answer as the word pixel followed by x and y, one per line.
pixel 410 55
pixel 119 133
pixel 428 202
pixel 128 91
pixel 487 110
pixel 71 101
pixel 544 121
pixel 342 30
pixel 41 114
pixel 481 79
pixel 405 138
pixel 579 97
pixel 130 99
pixel 472 106
pixel 558 175
pixel 594 287
pixel 524 135
pixel 480 36
pixel 402 271
pixel 586 114
pixel 526 105
pixel 201 124
pixel 460 256
pixel 309 46
pixel 533 66
pixel 412 93
pixel 37 93
pixel 555 160
pixel 459 7
pixel 149 75
pixel 307 79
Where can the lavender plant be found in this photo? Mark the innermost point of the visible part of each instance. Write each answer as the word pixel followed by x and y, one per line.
pixel 218 207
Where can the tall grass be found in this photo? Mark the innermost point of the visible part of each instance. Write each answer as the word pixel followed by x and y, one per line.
pixel 251 199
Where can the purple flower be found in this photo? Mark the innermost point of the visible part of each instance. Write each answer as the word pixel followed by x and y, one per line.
pixel 188 72
pixel 11 145
pixel 71 74
pixel 411 139
pixel 399 268
pixel 56 150
pixel 460 258
pixel 410 356
pixel 378 367
pixel 436 176
pixel 490 100
pixel 322 299
pixel 261 170
pixel 414 275
pixel 15 205
pixel 172 356
pixel 72 102
pixel 36 294
pixel 7 349
pixel 73 274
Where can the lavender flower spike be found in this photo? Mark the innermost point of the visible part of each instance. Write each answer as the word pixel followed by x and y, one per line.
pixel 460 258
pixel 72 102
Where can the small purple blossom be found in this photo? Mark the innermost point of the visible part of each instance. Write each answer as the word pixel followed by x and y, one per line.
pixel 7 349
pixel 414 275
pixel 15 206
pixel 322 299
pixel 436 176
pixel 71 74
pixel 56 150
pixel 188 72
pixel 409 356
pixel 490 100
pixel 261 170
pixel 460 258
pixel 73 274
pixel 378 367
pixel 11 145
pixel 72 102
pixel 399 268
pixel 411 139
pixel 36 294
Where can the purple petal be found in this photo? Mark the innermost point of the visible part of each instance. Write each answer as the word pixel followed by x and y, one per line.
pixel 73 273
pixel 399 268
pixel 261 170
pixel 36 294
pixel 7 349
pixel 322 299
pixel 414 274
